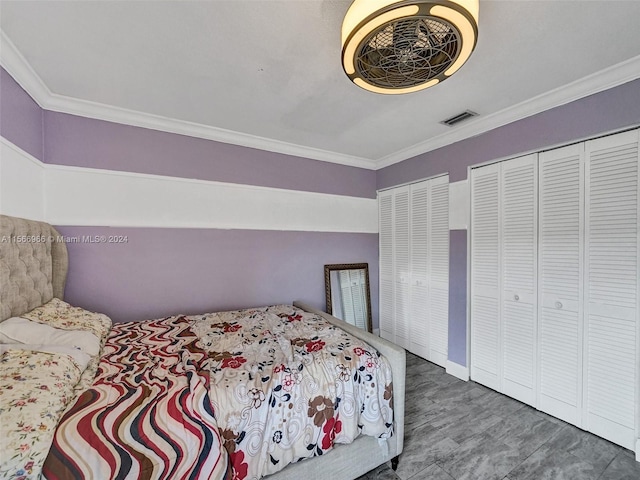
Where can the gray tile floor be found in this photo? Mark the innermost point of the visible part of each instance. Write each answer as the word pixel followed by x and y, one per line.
pixel 464 431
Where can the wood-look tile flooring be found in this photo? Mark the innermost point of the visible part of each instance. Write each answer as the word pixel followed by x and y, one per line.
pixel 457 430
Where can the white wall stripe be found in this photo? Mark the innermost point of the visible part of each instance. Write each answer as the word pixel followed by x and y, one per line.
pixel 86 196
pixel 21 183
pixel 459 205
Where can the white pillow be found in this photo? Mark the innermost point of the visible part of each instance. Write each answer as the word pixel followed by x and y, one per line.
pixel 21 330
pixel 79 357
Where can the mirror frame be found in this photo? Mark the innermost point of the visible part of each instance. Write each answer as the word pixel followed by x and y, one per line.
pixel 348 266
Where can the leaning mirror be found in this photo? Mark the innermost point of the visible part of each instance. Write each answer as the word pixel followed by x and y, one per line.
pixel 347 293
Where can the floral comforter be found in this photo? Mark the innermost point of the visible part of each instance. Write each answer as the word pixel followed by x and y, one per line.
pixel 147 414
pixel 35 389
pixel 59 314
pixel 286 385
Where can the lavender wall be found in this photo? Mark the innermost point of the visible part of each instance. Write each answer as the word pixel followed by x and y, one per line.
pixel 161 272
pixel 20 116
pixel 610 110
pixel 72 140
pixel 165 271
pixel 458 296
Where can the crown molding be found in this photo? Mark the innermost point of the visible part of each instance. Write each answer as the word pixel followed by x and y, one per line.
pixel 22 72
pixel 20 69
pixel 99 111
pixel 597 82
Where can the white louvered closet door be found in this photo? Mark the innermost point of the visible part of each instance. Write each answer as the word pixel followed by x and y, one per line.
pixel 560 277
pixel 611 288
pixel 414 267
pixel 420 269
pixel 438 269
pixel 385 225
pixel 519 191
pixel 401 264
pixel 485 276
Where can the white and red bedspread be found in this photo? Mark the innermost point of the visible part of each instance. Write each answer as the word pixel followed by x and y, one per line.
pixel 287 384
pixel 147 414
pixel 232 395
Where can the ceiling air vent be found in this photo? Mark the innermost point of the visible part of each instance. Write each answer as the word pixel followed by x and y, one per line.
pixel 461 117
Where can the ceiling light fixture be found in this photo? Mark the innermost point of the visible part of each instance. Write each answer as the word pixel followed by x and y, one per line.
pixel 404 46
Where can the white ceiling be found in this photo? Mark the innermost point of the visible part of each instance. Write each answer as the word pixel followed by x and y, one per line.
pixel 241 69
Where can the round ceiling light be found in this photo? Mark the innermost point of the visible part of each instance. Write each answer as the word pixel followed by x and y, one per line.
pixel 405 46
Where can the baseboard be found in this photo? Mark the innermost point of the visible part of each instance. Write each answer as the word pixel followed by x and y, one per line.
pixel 457 371
pixel 376 331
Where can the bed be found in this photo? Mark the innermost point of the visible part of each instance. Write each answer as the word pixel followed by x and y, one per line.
pixel 209 350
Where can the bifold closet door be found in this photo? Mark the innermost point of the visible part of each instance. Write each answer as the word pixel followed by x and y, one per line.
pixel 395 314
pixel 503 277
pixel 429 261
pixel 560 274
pixel 414 267
pixel 565 336
pixel 438 270
pixel 419 259
pixel 429 266
pixel 519 221
pixel 486 240
pixel 611 288
pixel 385 225
pixel 401 267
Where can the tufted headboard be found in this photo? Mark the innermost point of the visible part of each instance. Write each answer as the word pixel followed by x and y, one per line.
pixel 33 265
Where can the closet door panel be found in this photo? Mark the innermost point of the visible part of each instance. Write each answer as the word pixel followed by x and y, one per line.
pixel 611 287
pixel 519 228
pixel 414 267
pixel 419 269
pixel 402 313
pixel 485 276
pixel 518 267
pixel 518 351
pixel 385 225
pixel 560 272
pixel 438 278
